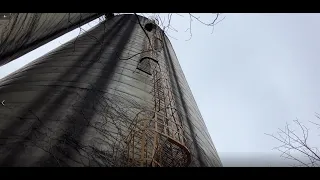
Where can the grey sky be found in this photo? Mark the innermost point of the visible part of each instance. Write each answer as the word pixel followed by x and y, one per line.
pixel 252 75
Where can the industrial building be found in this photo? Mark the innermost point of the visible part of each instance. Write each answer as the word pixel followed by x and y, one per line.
pixel 114 96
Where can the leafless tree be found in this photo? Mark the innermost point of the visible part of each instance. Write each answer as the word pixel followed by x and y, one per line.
pixel 295 145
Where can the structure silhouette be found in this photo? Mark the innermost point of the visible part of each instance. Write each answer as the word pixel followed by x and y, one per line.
pixel 115 96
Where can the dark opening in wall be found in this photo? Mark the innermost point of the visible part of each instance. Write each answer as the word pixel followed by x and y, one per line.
pixel 145 66
pixel 149 26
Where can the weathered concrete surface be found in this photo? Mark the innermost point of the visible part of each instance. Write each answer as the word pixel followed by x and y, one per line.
pixel 21 33
pixel 74 105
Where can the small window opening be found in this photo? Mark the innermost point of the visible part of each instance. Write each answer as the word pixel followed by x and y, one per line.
pixel 145 66
pixel 149 27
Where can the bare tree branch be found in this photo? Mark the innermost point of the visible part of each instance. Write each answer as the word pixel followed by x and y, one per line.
pixel 292 142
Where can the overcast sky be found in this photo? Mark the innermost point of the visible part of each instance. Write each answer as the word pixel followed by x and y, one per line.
pixel 252 75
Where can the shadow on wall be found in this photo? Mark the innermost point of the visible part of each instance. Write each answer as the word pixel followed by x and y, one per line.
pixel 23 132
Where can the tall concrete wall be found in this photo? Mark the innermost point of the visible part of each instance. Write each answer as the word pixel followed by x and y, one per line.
pixel 75 105
pixel 21 33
